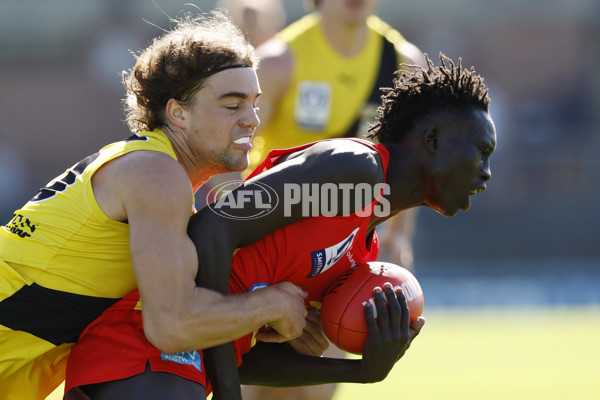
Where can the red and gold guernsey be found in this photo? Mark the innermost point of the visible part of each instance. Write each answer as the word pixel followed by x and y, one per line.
pixel 310 253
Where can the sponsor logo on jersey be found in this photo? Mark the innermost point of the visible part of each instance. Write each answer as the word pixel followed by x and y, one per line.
pixel 313 105
pixel 185 357
pixel 324 259
pixel 20 226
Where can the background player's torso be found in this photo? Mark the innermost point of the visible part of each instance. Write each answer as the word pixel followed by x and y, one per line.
pixel 328 92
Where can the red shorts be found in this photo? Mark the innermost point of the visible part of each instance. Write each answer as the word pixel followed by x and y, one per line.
pixel 114 347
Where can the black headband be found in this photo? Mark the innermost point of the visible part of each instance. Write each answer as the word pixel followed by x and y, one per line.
pixel 214 71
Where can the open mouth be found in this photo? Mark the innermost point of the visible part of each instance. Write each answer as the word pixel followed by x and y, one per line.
pixel 477 190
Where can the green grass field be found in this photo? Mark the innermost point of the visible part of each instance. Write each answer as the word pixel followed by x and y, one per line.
pixel 494 353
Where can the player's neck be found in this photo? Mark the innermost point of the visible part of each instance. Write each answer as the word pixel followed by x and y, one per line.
pixel 405 177
pixel 197 173
pixel 347 38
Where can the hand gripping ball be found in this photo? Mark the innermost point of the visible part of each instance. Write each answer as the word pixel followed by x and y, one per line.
pixel 342 311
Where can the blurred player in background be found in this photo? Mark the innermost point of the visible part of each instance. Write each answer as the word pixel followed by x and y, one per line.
pixel 259 20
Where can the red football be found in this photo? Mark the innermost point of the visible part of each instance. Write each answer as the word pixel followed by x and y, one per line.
pixel 342 310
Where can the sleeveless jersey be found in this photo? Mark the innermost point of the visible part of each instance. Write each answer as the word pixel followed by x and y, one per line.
pixel 62 262
pixel 310 253
pixel 329 95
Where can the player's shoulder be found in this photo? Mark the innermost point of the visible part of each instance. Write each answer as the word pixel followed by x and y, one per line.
pixel 355 160
pixel 300 28
pixel 384 29
pixel 151 160
pixel 409 53
pixel 278 47
pixel 144 170
pixel 141 179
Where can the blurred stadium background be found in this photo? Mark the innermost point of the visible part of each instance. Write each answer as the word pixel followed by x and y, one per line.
pixel 529 242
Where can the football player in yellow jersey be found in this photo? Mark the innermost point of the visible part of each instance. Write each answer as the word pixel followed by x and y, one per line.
pixel 321 78
pixel 118 220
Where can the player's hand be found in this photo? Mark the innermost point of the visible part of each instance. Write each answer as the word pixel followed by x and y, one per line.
pixel 289 312
pixel 389 338
pixel 313 341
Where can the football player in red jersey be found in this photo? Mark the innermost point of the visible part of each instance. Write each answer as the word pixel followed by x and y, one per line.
pixel 436 138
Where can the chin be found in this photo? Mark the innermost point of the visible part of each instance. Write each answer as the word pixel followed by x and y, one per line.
pixel 448 212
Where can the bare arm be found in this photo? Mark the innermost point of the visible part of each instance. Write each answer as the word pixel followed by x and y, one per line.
pixel 410 54
pixel 389 338
pixel 221 236
pixel 275 75
pixel 396 239
pixel 153 194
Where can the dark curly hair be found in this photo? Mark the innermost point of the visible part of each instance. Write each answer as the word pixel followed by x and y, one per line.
pixel 418 92
pixel 177 64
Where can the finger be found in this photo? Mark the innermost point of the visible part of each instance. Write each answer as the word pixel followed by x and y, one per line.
pixel 395 313
pixel 301 291
pixel 314 330
pixel 309 345
pixel 415 327
pixel 382 312
pixel 293 288
pixel 372 329
pixel 405 314
pixel 271 336
pixel 313 315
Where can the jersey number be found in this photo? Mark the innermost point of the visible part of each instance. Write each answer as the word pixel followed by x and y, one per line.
pixel 61 183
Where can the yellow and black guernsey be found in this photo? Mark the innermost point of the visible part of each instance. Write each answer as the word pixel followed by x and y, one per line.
pixel 62 262
pixel 330 95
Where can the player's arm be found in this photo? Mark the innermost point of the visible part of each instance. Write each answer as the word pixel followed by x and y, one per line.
pixel 388 339
pixel 216 237
pixel 410 54
pixel 274 74
pixel 152 193
pixel 339 161
pixel 396 239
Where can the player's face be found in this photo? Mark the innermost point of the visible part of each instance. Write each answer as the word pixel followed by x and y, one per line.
pixel 350 11
pixel 462 161
pixel 222 119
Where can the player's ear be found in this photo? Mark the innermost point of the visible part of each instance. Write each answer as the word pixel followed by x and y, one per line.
pixel 176 113
pixel 429 137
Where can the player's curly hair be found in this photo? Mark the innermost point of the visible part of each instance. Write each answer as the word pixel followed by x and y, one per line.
pixel 418 92
pixel 177 64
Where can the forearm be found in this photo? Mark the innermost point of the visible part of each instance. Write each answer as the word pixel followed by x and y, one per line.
pixel 220 362
pixel 269 364
pixel 216 319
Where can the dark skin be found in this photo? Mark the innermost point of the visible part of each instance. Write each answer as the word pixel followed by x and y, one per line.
pixel 439 164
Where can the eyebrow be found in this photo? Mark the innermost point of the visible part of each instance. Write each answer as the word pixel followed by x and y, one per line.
pixel 240 95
